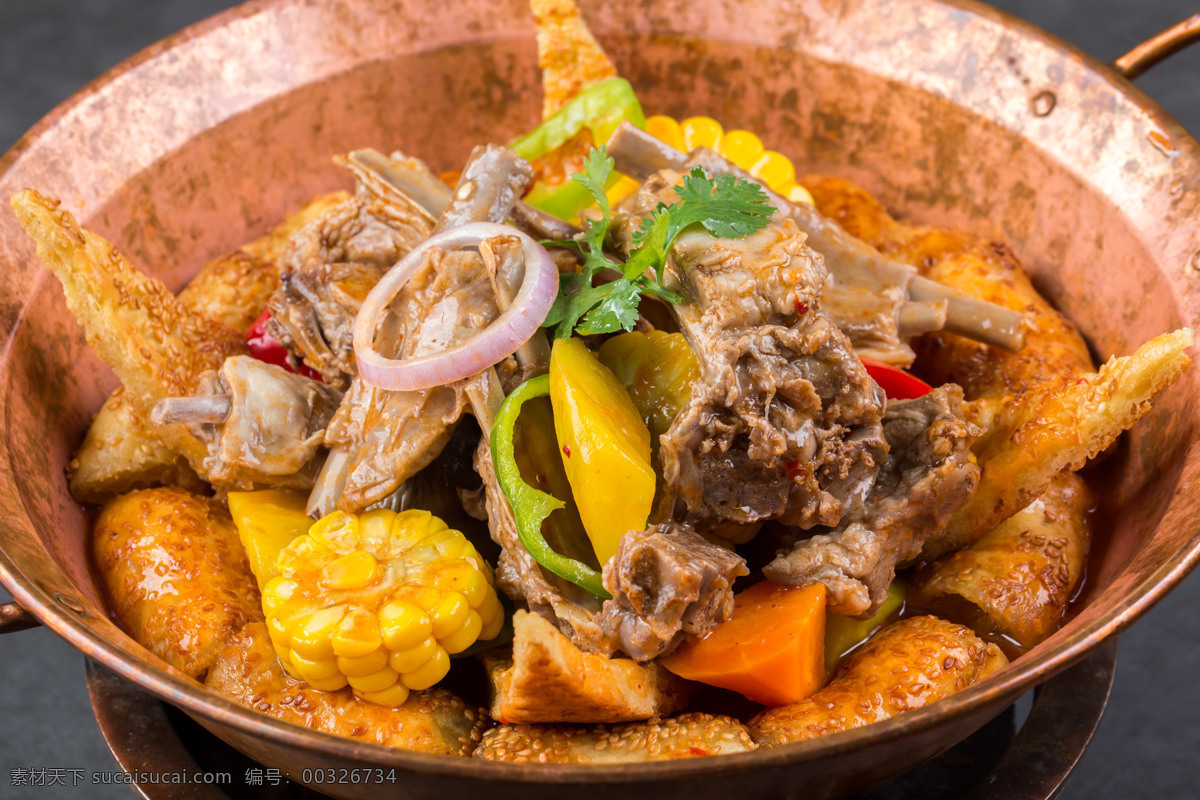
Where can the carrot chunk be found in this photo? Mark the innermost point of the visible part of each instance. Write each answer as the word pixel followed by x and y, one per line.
pixel 772 650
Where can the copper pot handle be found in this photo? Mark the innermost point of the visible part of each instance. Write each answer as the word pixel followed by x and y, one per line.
pixel 13 618
pixel 1156 48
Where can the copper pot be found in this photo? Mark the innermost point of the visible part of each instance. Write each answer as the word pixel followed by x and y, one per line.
pixel 950 111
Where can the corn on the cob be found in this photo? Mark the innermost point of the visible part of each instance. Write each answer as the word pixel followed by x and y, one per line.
pixel 741 147
pixel 378 600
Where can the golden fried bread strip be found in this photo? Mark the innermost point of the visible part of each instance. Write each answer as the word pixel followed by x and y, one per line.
pixel 119 453
pixel 568 54
pixel 157 347
pixel 247 671
pixel 685 736
pixel 1018 578
pixel 1058 426
pixel 174 572
pixel 551 680
pixel 907 665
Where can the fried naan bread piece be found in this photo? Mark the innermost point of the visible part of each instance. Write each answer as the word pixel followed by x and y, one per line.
pixel 1044 408
pixel 175 575
pixel 435 721
pixel 568 54
pixel 120 452
pixel 907 665
pixel 549 679
pixel 1016 581
pixel 685 736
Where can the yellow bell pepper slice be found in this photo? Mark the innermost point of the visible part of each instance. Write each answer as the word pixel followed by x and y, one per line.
pixel 268 521
pixel 844 634
pixel 657 369
pixel 605 446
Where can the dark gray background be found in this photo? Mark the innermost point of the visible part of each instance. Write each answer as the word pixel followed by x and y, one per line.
pixel 1149 742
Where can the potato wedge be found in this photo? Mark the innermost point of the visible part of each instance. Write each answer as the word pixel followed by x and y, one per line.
pixel 435 721
pixel 551 680
pixel 174 574
pixel 685 736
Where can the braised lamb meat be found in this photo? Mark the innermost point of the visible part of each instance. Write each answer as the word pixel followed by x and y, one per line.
pixel 272 427
pixel 332 264
pixel 380 438
pixel 928 475
pixel 784 422
pixel 667 582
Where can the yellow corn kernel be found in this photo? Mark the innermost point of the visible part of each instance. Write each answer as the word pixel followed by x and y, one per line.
pixel 775 170
pixel 316 670
pixel 392 697
pixel 465 636
pixel 490 608
pixel 403 625
pixel 404 661
pixel 428 673
pixel 363 600
pixel 311 638
pixel 742 148
pixel 331 684
pixel 491 628
pixel 799 194
pixel 666 129
pixel 701 132
pixel 354 570
pixel 449 614
pixel 362 665
pixel 375 682
pixel 277 592
pixel 357 635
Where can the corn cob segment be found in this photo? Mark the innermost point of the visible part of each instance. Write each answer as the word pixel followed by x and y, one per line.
pixel 378 601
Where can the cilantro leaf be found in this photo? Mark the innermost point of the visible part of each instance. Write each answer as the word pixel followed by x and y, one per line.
pixel 725 206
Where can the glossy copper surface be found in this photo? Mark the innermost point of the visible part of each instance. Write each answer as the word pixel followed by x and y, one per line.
pixel 949 111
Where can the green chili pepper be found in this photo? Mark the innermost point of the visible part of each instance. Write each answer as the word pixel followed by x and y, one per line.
pixel 531 506
pixel 600 108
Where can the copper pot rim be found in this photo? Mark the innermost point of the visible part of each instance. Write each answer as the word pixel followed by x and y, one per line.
pixel 1065 648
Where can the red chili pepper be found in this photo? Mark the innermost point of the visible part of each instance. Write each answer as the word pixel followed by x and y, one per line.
pixel 801 306
pixel 896 383
pixel 265 347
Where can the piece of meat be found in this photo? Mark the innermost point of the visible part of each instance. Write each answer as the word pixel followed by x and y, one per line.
pixel 906 666
pixel 928 476
pixel 434 721
pixel 666 583
pixel 1014 583
pixel 379 438
pixel 329 267
pixel 684 736
pixel 174 574
pixel 784 422
pixel 274 429
pixel 1044 408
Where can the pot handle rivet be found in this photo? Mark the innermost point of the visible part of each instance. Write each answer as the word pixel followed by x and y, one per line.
pixel 71 604
pixel 1043 102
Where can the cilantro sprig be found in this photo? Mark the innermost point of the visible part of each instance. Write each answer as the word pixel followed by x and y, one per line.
pixel 725 206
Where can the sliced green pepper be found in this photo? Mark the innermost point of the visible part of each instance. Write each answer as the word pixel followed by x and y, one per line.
pixel 531 506
pixel 599 108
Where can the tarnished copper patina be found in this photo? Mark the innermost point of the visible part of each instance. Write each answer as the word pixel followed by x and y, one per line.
pixel 950 111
